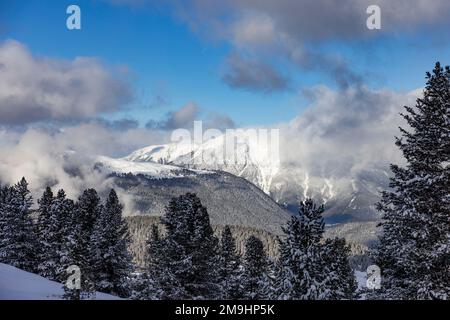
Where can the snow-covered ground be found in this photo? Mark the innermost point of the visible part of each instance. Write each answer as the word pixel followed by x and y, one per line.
pixel 361 279
pixel 16 284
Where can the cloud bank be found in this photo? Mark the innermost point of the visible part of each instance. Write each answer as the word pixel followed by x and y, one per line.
pixel 37 89
pixel 346 131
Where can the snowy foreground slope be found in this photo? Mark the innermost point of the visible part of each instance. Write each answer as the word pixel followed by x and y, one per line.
pixel 16 284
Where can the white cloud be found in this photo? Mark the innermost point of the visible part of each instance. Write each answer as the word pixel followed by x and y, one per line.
pixel 289 30
pixel 65 158
pixel 37 89
pixel 346 131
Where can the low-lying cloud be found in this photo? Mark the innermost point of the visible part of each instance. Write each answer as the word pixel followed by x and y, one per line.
pixel 342 133
pixel 346 131
pixel 65 158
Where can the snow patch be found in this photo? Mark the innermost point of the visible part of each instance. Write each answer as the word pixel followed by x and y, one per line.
pixel 151 169
pixel 16 284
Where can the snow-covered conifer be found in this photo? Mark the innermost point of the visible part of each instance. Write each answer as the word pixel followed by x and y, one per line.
pixel 110 261
pixel 18 243
pixel 414 249
pixel 256 268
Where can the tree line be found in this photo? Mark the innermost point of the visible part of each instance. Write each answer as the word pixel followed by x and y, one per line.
pixel 190 262
pixel 60 233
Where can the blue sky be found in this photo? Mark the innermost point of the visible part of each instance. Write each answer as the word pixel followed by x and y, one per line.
pixel 165 56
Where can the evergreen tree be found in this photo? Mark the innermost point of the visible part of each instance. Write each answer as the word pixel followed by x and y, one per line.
pixel 71 255
pixel 86 214
pixel 47 255
pixel 229 269
pixel 18 244
pixel 339 276
pixel 110 259
pixel 148 284
pixel 414 249
pixel 64 227
pixel 142 287
pixel 190 261
pixel 301 272
pixel 255 274
pixel 157 272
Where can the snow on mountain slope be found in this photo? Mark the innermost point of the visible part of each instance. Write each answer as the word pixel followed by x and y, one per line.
pixel 247 158
pixel 230 200
pixel 165 153
pixel 347 196
pixel 148 185
pixel 16 284
pixel 151 169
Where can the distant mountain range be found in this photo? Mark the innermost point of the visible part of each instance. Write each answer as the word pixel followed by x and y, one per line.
pixel 349 198
pixel 249 194
pixel 230 200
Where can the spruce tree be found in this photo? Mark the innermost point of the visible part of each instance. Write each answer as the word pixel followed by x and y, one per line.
pixel 152 282
pixel 110 260
pixel 256 268
pixel 190 258
pixel 339 276
pixel 86 214
pixel 301 270
pixel 64 226
pixel 47 255
pixel 229 268
pixel 71 255
pixel 142 286
pixel 18 243
pixel 414 249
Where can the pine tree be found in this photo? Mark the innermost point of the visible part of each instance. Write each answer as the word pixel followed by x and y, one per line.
pixel 86 214
pixel 414 249
pixel 339 276
pixel 142 287
pixel 229 268
pixel 157 272
pixel 255 275
pixel 190 251
pixel 47 255
pixel 64 226
pixel 71 255
pixel 151 282
pixel 110 259
pixel 18 244
pixel 301 270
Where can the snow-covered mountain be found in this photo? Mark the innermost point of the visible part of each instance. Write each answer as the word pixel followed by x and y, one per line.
pixel 148 168
pixel 247 158
pixel 147 188
pixel 147 182
pixel 347 197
